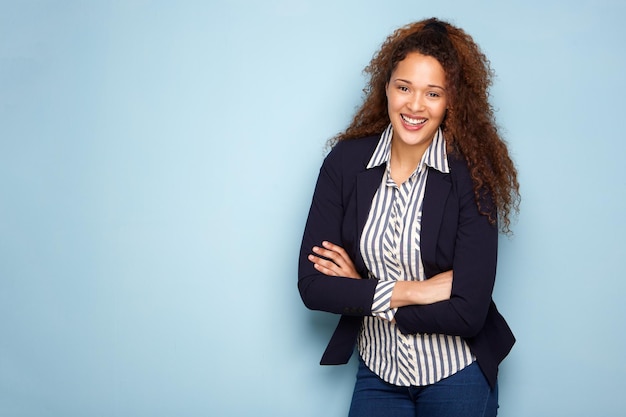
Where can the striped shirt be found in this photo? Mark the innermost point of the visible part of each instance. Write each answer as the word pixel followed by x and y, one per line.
pixel 390 245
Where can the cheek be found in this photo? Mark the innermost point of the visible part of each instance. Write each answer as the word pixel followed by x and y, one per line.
pixel 393 102
pixel 442 111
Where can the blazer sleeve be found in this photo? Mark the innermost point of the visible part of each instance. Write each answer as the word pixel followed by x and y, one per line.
pixel 474 266
pixel 339 295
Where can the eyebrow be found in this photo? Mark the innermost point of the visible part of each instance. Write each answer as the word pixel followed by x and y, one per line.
pixel 409 82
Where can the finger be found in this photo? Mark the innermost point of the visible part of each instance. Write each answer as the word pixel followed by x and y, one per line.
pixel 332 246
pixel 324 265
pixel 340 251
pixel 337 249
pixel 330 254
pixel 325 271
pixel 340 258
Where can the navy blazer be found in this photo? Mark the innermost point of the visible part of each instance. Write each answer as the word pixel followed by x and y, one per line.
pixel 454 236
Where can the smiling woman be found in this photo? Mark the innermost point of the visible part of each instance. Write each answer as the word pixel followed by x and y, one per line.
pixel 417 103
pixel 402 233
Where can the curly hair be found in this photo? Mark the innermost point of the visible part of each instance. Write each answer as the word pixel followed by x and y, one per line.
pixel 469 125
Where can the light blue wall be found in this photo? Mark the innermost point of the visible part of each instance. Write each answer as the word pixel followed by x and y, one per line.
pixel 157 159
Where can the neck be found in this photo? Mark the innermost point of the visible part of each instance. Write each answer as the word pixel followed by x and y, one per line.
pixel 404 160
pixel 407 156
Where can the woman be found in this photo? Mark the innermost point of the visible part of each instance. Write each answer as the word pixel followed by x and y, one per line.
pixel 402 233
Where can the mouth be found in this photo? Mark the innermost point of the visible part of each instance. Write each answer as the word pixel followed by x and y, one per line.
pixel 412 121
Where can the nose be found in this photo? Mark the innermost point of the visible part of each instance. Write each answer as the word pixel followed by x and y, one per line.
pixel 416 103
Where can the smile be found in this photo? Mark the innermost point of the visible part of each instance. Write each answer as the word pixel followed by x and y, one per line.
pixel 413 122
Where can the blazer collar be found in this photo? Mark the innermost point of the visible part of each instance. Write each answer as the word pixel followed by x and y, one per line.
pixel 435 156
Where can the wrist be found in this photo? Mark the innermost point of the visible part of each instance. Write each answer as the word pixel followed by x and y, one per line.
pixel 407 293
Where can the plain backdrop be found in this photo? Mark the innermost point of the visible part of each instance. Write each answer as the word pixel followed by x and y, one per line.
pixel 157 161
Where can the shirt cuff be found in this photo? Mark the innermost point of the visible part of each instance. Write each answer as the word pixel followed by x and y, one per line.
pixel 382 301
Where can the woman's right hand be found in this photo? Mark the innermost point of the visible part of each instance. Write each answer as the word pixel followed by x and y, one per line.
pixel 332 260
pixel 437 288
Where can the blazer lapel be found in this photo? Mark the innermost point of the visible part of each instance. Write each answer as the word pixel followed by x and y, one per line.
pixel 367 182
pixel 436 194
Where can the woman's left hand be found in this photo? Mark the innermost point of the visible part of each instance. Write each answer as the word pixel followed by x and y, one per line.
pixel 332 260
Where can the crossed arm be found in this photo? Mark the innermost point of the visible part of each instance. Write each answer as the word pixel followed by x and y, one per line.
pixel 332 260
pixel 328 280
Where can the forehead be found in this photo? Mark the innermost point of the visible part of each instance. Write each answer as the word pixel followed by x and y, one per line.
pixel 417 67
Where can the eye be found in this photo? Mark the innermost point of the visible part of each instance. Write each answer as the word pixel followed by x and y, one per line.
pixel 403 88
pixel 433 94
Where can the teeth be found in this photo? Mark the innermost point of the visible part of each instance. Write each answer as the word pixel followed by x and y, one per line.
pixel 413 121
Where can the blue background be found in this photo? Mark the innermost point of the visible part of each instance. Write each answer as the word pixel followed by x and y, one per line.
pixel 157 160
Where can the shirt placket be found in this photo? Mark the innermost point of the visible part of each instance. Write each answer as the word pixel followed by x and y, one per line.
pixel 402 195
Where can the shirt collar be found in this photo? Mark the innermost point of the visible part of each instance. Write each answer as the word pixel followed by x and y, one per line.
pixel 435 156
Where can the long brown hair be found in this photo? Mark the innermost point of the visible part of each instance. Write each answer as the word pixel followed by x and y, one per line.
pixel 469 126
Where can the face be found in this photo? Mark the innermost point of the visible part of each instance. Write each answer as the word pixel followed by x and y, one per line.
pixel 416 101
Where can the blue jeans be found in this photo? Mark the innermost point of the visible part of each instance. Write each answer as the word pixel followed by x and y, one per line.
pixel 464 394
